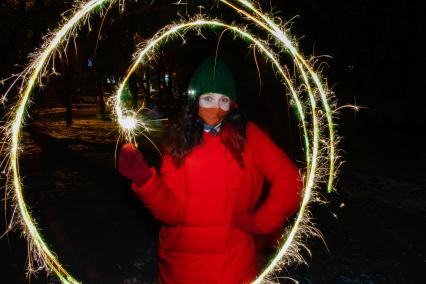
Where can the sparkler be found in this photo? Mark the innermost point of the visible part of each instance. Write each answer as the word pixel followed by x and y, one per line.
pixel 130 123
pixel 39 250
pixel 301 220
pixel 268 24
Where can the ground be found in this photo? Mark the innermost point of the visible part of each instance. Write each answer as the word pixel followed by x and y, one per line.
pixel 372 226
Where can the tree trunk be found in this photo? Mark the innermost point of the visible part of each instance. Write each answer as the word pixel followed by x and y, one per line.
pixel 159 86
pixel 68 106
pixel 133 90
pixel 148 100
pixel 68 83
pixel 101 101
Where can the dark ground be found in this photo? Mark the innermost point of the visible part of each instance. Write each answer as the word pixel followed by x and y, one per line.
pixel 92 220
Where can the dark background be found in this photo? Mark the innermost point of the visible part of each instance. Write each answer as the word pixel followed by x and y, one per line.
pixel 372 225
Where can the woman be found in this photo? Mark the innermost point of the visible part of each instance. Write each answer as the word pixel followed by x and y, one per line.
pixel 209 184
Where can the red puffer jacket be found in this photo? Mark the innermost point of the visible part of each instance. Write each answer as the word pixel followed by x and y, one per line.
pixel 198 201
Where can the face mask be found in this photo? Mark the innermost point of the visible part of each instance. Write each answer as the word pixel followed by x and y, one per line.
pixel 211 116
pixel 213 100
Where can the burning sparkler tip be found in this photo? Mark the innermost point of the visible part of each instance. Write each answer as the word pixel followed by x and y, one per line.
pixel 128 123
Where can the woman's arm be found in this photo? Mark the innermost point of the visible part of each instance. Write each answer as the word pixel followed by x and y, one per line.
pixel 286 184
pixel 163 196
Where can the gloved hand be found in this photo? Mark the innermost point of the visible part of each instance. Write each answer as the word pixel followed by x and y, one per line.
pixel 132 165
pixel 244 221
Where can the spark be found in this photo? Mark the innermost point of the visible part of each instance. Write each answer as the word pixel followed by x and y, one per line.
pixel 131 124
pixel 128 123
pixel 172 31
pixel 269 25
pixel 42 254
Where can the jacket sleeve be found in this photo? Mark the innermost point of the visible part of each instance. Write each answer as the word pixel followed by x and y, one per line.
pixel 164 196
pixel 286 184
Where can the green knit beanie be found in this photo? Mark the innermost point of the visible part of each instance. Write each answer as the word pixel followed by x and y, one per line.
pixel 212 76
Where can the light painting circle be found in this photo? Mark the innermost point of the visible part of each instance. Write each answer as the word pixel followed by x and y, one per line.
pixel 313 121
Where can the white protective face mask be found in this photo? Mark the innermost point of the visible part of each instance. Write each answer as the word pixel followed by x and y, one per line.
pixel 214 100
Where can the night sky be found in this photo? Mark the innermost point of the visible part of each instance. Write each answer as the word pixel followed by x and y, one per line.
pixel 373 54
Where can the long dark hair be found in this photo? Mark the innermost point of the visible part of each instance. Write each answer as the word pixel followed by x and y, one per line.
pixel 187 132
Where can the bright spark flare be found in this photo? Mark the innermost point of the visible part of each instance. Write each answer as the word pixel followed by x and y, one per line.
pixel 130 123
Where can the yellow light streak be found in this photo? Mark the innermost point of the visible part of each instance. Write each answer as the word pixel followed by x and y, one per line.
pixel 269 25
pixel 130 123
pixel 170 32
pixel 41 251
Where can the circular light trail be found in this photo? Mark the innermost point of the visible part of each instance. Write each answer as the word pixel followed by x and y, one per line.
pixel 170 32
pixel 311 121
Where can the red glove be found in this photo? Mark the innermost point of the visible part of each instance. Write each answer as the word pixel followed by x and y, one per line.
pixel 132 165
pixel 244 221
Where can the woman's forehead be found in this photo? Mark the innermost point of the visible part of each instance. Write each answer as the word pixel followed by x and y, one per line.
pixel 214 94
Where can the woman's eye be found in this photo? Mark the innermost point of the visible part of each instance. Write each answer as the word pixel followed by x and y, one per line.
pixel 225 100
pixel 208 99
